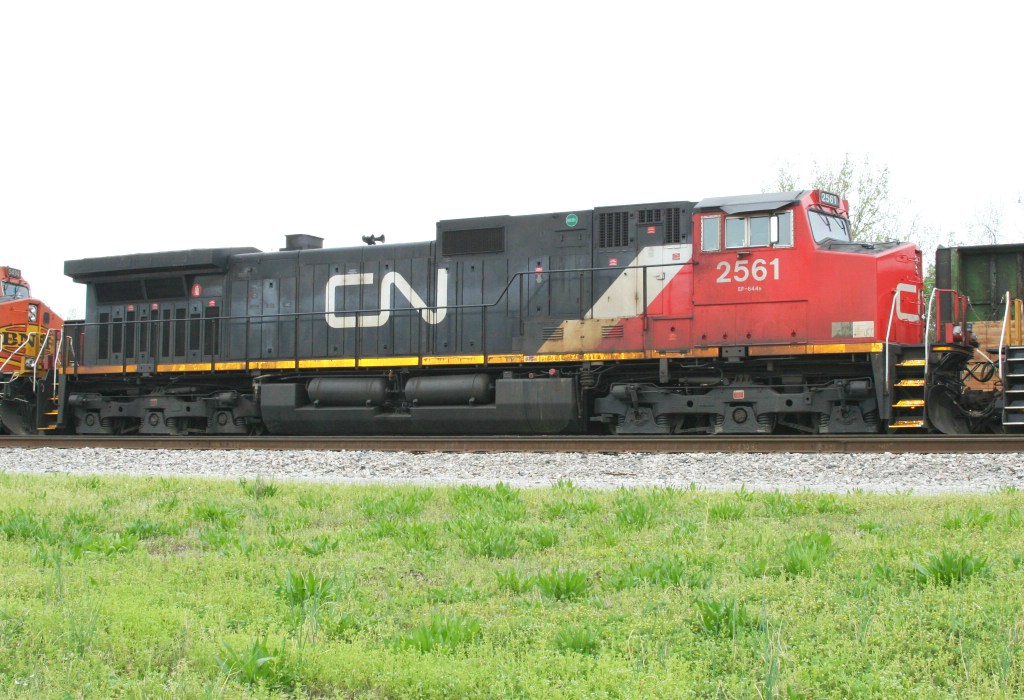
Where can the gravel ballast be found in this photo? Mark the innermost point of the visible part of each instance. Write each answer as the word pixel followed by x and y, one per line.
pixel 839 473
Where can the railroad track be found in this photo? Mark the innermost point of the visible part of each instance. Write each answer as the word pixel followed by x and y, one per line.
pixel 929 444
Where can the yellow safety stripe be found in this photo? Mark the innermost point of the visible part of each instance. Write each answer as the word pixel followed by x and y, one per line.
pixel 812 349
pixel 327 364
pixel 389 361
pixel 453 360
pixel 496 359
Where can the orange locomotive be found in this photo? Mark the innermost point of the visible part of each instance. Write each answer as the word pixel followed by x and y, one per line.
pixel 29 341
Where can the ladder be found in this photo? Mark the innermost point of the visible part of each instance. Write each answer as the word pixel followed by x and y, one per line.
pixel 908 397
pixel 1013 392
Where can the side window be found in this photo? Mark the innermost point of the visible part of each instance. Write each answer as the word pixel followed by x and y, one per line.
pixel 756 231
pixel 710 233
pixel 760 231
pixel 735 232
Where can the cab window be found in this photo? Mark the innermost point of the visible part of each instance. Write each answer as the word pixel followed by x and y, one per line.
pixel 710 233
pixel 16 291
pixel 759 231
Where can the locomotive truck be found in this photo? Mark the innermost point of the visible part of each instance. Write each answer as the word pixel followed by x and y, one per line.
pixel 736 315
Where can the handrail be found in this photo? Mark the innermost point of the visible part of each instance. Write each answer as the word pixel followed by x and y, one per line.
pixel 888 335
pixel 519 278
pixel 28 336
pixel 1002 340
pixel 927 333
pixel 42 350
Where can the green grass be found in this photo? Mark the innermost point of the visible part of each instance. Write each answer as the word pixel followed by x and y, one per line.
pixel 188 588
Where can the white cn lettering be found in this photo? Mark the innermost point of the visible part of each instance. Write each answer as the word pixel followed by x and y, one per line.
pixel 432 315
pixel 902 315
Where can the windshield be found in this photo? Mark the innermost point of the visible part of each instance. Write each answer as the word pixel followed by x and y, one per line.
pixel 826 226
pixel 14 291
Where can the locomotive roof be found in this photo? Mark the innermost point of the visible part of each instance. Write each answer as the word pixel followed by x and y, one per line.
pixel 752 202
pixel 196 260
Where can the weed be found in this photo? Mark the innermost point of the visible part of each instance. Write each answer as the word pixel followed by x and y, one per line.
pixel 744 494
pixel 581 639
pixel 563 584
pixel 726 510
pixel 443 632
pixel 313 500
pixel 872 527
pixel 90 482
pixel 512 580
pixel 118 543
pixel 219 515
pixel 754 566
pixel 168 504
pixel 723 615
pixel 667 571
pixel 298 588
pixel 684 529
pixel 399 504
pixel 418 537
pixel 258 488
pixel 951 567
pixel 257 665
pixel 781 505
pixel 146 529
pixel 830 503
pixel 542 537
pixel 952 522
pixel 1013 519
pixel 807 553
pixel 320 545
pixel 484 537
pixel 502 502
pixel 633 513
pixel 23 525
pixel 342 624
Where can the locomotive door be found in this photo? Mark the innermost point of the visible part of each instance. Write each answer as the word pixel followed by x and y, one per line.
pixel 173 331
pixel 750 281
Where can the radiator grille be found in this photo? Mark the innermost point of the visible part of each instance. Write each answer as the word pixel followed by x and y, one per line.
pixel 673 231
pixel 613 229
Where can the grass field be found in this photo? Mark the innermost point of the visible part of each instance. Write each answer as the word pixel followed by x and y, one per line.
pixel 155 587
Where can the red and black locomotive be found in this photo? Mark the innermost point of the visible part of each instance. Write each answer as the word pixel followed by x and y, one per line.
pixel 750 314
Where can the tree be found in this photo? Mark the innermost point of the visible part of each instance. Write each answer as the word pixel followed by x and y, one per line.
pixel 872 215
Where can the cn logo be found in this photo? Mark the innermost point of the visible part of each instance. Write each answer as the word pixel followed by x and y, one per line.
pixel 432 315
pixel 910 291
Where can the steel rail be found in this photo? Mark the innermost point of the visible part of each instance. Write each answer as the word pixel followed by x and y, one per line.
pixel 909 444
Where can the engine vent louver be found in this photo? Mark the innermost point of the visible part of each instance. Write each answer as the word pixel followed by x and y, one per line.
pixel 613 331
pixel 649 216
pixel 554 333
pixel 474 241
pixel 673 230
pixel 613 229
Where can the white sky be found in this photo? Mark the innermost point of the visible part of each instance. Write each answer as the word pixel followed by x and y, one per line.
pixel 139 126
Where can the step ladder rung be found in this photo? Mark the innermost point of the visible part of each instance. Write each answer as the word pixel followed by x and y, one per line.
pixel 909 382
pixel 910 363
pixel 904 424
pixel 909 403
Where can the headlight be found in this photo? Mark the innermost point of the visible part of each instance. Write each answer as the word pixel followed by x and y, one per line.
pixel 33 313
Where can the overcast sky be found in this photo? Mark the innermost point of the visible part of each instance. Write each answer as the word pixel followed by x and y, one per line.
pixel 136 126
